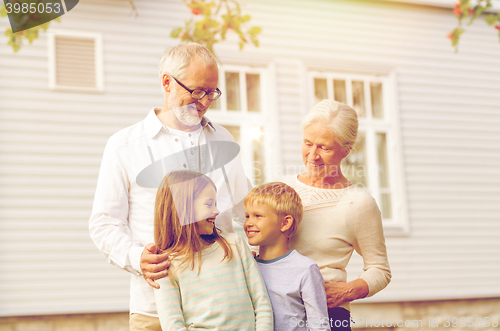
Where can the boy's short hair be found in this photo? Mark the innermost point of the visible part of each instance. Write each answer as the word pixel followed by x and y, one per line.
pixel 281 198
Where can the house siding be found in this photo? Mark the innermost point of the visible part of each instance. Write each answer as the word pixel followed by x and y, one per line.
pixel 51 143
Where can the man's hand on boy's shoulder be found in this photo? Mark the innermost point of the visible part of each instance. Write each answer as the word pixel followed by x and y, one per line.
pixel 153 265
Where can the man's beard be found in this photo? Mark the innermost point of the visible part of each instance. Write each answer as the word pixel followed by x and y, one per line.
pixel 187 115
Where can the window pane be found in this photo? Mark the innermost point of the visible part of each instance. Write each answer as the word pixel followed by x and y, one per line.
pixel 354 166
pixel 234 130
pixel 258 156
pixel 377 100
pixel 253 92
pixel 339 91
pixel 358 98
pixel 233 90
pixel 215 105
pixel 382 160
pixel 386 205
pixel 320 90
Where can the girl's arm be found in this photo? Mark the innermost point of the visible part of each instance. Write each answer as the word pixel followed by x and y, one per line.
pixel 314 298
pixel 168 304
pixel 256 288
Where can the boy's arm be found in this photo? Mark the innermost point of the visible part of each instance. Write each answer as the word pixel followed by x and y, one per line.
pixel 314 297
pixel 168 304
pixel 256 288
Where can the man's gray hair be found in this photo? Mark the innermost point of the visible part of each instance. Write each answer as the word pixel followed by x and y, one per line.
pixel 176 59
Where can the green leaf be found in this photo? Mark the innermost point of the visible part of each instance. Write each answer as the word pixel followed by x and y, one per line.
pixel 456 36
pixel 210 23
pixel 255 41
pixel 176 32
pixel 254 30
pixel 31 34
pixel 223 32
pixel 207 11
pixel 480 10
pixel 3 11
pixel 218 17
pixel 15 40
pixel 16 47
pixel 491 19
pixel 186 37
pixel 245 18
pixel 45 26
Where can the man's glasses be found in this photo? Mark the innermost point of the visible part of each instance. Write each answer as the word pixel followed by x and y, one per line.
pixel 198 94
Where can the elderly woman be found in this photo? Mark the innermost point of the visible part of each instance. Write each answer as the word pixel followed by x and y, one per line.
pixel 339 217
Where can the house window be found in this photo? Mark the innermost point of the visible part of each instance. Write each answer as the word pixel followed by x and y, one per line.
pixel 375 161
pixel 75 62
pixel 241 109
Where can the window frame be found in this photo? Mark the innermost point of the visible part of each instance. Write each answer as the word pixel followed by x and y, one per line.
pixel 98 53
pixel 245 119
pixel 398 225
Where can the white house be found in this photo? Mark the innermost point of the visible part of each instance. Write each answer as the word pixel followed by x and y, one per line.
pixel 429 147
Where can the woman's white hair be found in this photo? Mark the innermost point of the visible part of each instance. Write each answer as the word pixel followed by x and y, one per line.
pixel 339 118
pixel 176 59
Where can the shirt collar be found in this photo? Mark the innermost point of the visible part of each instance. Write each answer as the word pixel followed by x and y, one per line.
pixel 205 122
pixel 153 124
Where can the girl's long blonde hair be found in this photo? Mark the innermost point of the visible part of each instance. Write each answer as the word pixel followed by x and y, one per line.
pixel 176 229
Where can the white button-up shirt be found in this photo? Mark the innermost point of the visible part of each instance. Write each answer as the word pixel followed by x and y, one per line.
pixel 135 161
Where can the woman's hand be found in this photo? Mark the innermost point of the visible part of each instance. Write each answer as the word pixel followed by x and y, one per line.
pixel 339 293
pixel 153 265
pixel 336 293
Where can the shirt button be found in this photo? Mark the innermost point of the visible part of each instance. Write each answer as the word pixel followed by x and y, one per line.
pixel 176 139
pixel 184 165
pixel 192 152
pixel 192 143
pixel 189 134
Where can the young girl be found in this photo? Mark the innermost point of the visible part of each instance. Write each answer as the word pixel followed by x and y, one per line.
pixel 214 282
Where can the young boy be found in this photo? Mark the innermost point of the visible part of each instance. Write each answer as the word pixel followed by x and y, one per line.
pixel 293 281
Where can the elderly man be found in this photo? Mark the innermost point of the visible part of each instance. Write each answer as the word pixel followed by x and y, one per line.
pixel 175 137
